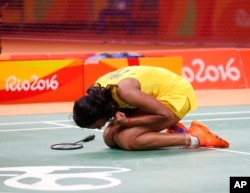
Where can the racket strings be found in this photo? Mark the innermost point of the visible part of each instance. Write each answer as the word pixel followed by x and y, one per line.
pixel 72 146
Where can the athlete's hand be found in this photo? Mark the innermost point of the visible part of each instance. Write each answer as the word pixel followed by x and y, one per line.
pixel 120 119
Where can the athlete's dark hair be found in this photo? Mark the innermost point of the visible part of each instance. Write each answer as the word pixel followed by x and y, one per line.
pixel 97 104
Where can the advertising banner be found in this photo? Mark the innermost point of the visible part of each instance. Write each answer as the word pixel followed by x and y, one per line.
pixel 209 68
pixel 55 80
pixel 40 81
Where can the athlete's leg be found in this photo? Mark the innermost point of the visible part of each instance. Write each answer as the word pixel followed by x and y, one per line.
pixel 139 138
pixel 142 138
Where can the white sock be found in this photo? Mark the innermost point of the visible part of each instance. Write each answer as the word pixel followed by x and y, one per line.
pixel 194 141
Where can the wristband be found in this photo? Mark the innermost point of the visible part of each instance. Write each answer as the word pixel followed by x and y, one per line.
pixel 129 122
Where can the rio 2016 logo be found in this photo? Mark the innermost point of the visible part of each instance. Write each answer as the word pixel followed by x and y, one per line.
pixel 212 73
pixel 16 84
pixel 61 178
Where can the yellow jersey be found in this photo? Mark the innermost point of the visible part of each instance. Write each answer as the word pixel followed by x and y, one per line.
pixel 167 87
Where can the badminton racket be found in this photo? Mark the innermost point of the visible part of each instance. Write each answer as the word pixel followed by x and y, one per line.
pixel 72 146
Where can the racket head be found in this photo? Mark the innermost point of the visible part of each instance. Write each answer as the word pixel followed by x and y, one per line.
pixel 66 146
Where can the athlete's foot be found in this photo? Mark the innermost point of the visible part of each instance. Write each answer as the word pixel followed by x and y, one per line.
pixel 177 128
pixel 205 136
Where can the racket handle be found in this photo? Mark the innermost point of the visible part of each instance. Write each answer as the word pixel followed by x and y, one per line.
pixel 89 138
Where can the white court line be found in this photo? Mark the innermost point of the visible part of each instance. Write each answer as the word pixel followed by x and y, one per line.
pixel 32 122
pixel 31 129
pixel 230 151
pixel 54 121
pixel 63 126
pixel 60 124
pixel 191 114
pixel 219 113
pixel 220 119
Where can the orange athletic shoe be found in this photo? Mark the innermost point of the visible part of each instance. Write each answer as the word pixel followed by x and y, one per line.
pixel 205 136
pixel 177 128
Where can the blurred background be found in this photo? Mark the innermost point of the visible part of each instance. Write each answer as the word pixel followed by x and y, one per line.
pixel 210 23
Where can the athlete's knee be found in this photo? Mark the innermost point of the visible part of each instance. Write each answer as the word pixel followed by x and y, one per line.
pixel 108 136
pixel 124 141
pixel 128 141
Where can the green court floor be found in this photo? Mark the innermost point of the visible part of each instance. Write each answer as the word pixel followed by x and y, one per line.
pixel 27 164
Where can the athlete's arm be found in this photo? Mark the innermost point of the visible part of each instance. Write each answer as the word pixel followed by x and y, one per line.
pixel 129 91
